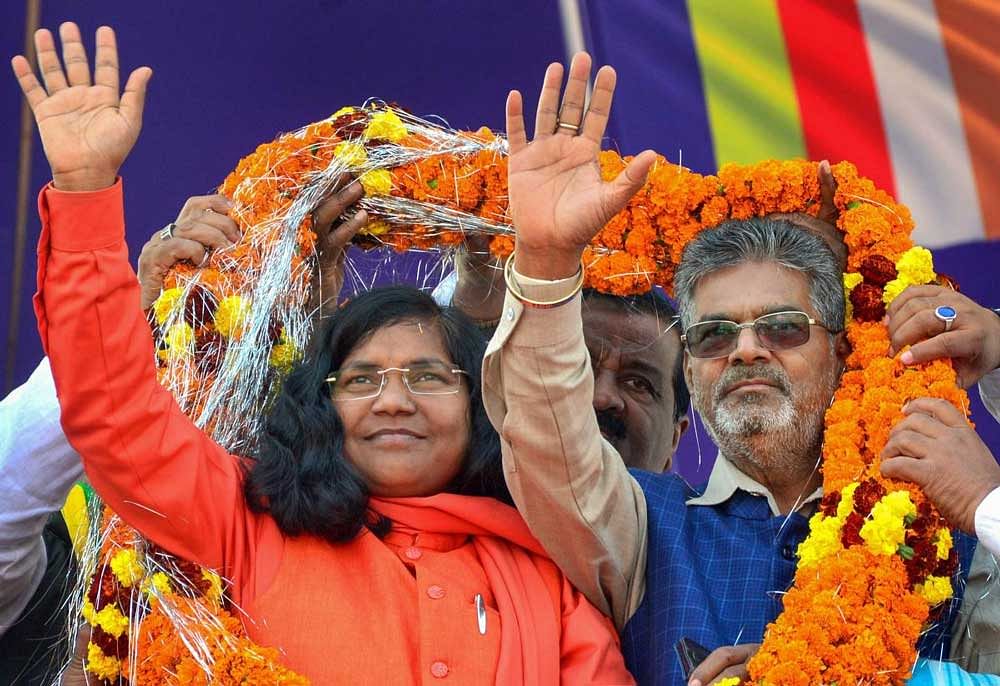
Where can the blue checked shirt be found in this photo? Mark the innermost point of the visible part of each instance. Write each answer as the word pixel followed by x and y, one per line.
pixel 717 568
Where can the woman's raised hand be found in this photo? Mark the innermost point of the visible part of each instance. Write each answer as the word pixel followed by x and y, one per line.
pixel 87 128
pixel 558 201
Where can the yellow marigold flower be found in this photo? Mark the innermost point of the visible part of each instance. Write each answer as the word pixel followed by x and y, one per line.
pixel 101 665
pixel 283 356
pixel 231 316
pixel 935 589
pixel 159 581
pixel 852 279
pixel 375 228
pixel 893 289
pixel 376 182
pixel 729 681
pixel 214 593
pixel 126 567
pixel 823 539
pixel 180 340
pixel 111 620
pixel 386 124
pixel 166 304
pixel 351 154
pixel 846 504
pixel 88 612
pixel 944 543
pixel 885 529
pixel 916 266
pixel 342 111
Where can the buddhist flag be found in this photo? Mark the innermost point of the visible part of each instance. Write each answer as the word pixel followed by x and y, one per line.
pixel 907 90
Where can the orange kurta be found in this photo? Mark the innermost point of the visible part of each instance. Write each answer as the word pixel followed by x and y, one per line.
pixel 399 610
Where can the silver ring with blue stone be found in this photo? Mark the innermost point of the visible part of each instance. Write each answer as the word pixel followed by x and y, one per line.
pixel 946 314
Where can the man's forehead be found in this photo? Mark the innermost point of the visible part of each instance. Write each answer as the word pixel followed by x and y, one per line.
pixel 630 330
pixel 749 290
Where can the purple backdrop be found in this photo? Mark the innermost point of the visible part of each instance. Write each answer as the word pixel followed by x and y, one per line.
pixel 230 74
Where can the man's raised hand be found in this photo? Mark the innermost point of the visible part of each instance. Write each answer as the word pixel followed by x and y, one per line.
pixel 558 201
pixel 87 127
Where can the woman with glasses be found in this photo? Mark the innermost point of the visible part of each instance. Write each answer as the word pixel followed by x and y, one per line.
pixel 368 535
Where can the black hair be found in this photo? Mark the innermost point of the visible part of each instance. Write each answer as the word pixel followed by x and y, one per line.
pixel 655 304
pixel 299 474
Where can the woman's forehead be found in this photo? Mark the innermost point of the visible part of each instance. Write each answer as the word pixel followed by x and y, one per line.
pixel 399 344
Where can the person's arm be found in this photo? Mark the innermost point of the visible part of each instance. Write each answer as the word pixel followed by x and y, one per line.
pixel 573 490
pixel 570 485
pixel 37 469
pixel 145 458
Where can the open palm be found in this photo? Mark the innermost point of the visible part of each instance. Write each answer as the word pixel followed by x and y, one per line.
pixel 87 130
pixel 558 200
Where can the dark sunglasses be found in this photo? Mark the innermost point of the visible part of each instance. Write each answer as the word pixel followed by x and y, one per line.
pixel 776 331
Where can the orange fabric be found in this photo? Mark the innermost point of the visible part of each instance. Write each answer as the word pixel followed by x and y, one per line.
pixel 359 611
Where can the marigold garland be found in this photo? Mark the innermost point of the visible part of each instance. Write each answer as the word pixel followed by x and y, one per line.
pixel 126 583
pixel 878 556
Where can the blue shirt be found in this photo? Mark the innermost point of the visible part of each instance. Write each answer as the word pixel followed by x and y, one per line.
pixel 716 574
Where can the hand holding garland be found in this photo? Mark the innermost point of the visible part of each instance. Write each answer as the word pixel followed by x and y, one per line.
pixel 972 343
pixel 87 128
pixel 558 201
pixel 935 448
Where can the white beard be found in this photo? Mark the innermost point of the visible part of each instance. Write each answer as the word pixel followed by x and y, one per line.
pixel 746 416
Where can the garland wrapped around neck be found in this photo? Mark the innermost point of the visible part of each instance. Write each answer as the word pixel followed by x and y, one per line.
pixel 878 559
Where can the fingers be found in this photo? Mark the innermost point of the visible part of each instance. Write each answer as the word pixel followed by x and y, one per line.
pixel 106 59
pixel 341 236
pixel 827 190
pixel 517 138
pixel 326 214
pixel 905 469
pixel 48 61
pixel 134 98
pixel 938 408
pixel 956 345
pixel 74 55
pixel 907 443
pixel 908 302
pixel 32 90
pixel 547 114
pixel 177 249
pixel 202 232
pixel 575 95
pixel 211 210
pixel 600 105
pixel 719 661
pixel 628 183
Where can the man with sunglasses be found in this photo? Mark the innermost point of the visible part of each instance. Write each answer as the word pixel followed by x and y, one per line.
pixel 762 308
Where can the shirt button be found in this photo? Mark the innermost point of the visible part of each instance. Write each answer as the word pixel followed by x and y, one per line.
pixel 435 592
pixel 787 552
pixel 413 553
pixel 510 314
pixel 439 670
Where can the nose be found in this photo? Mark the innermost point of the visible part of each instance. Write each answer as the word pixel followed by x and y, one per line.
pixel 748 349
pixel 607 395
pixel 395 397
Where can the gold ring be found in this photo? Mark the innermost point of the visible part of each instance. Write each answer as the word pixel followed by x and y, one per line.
pixel 564 125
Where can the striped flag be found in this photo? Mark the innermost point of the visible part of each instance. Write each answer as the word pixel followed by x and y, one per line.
pixel 905 89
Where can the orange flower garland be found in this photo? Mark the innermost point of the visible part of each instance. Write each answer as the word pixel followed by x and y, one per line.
pixel 878 556
pixel 127 585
